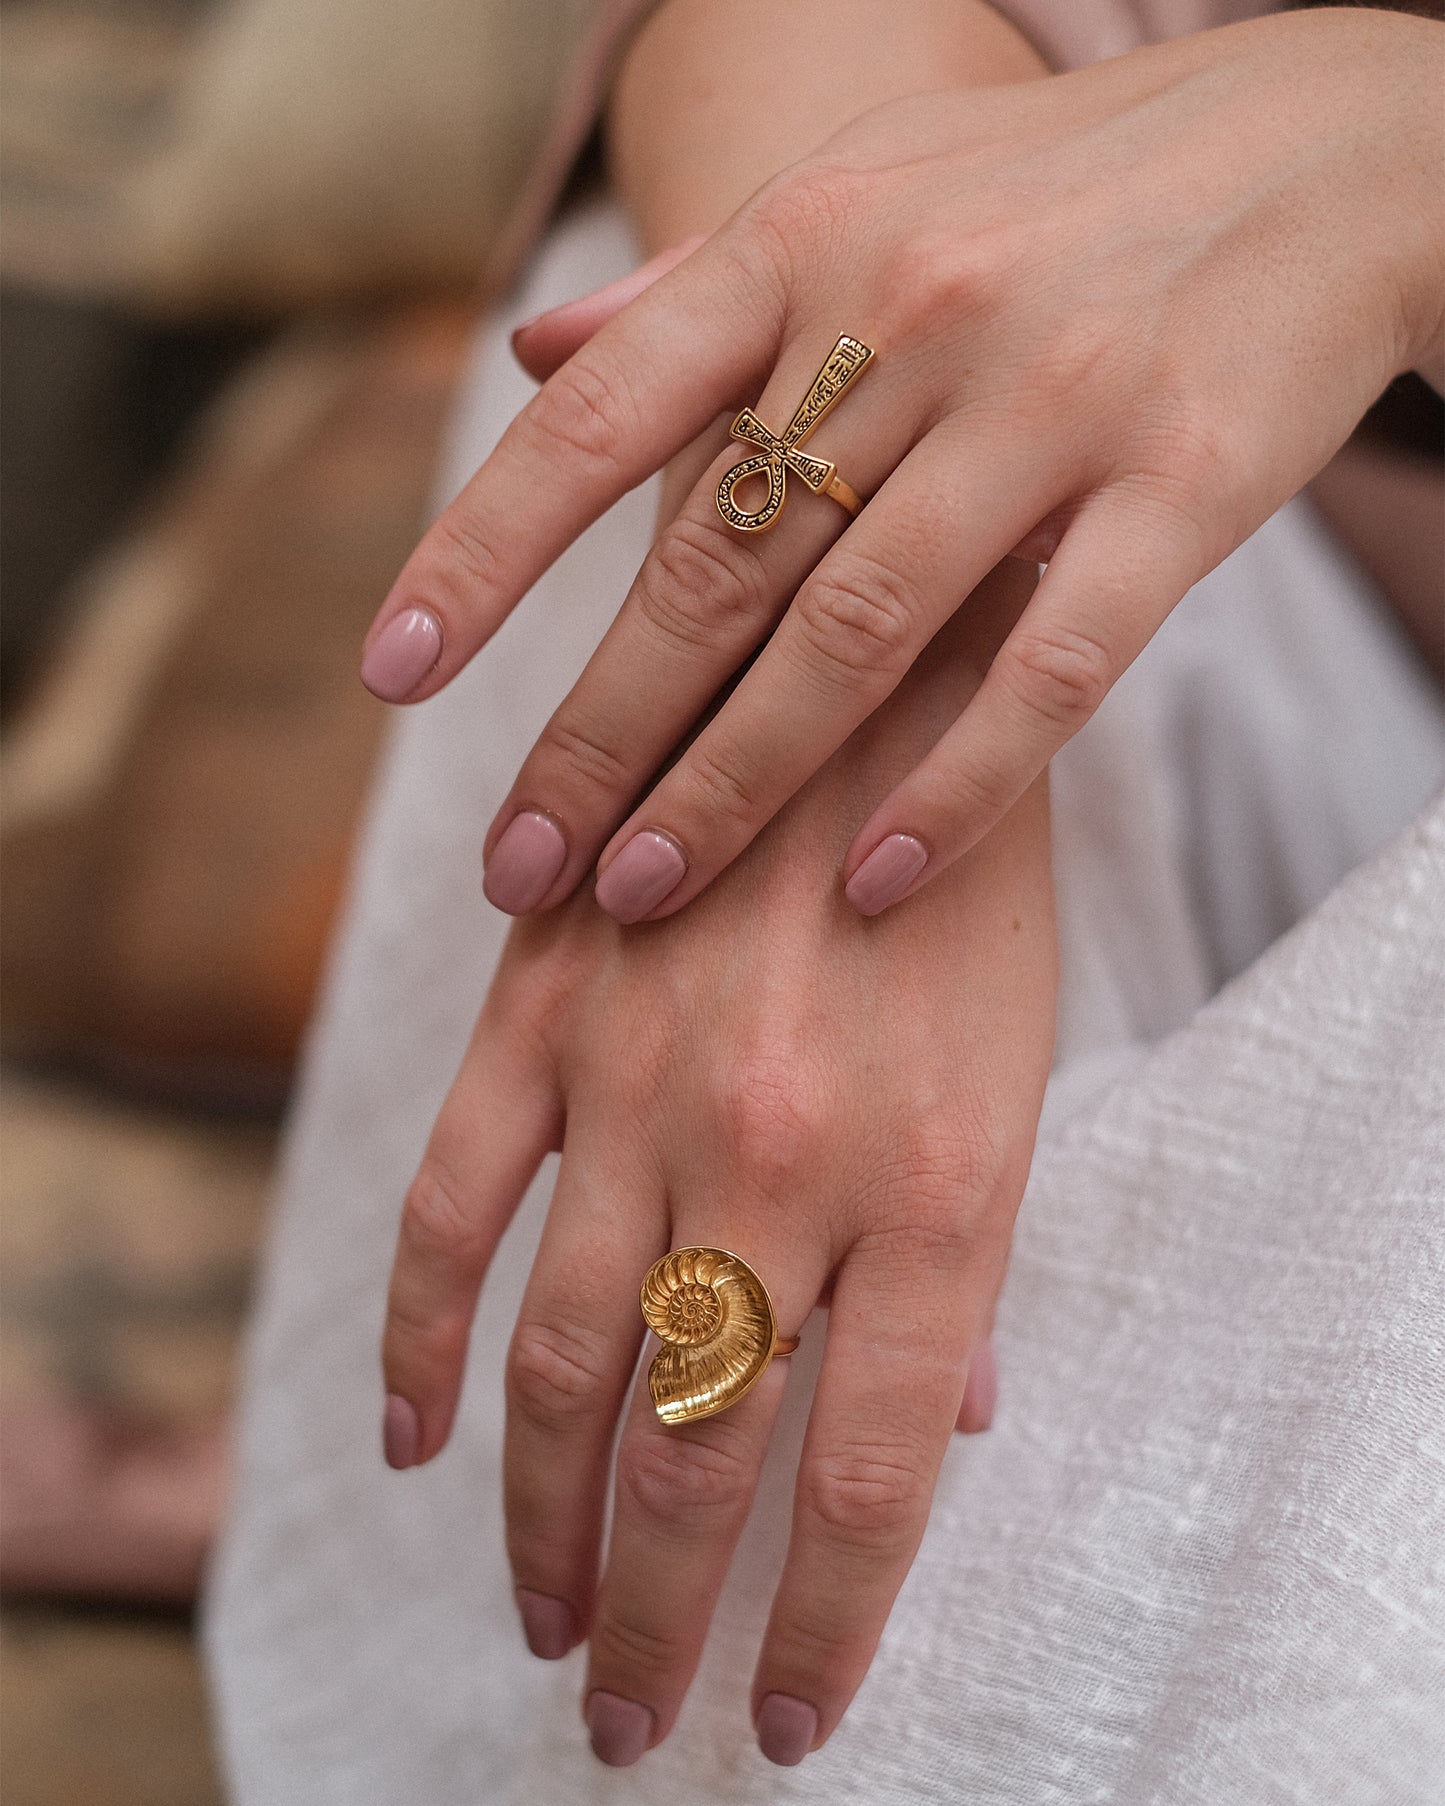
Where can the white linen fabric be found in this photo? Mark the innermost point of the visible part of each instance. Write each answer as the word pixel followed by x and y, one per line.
pixel 1201 1556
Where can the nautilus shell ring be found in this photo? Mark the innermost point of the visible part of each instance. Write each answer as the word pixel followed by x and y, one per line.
pixel 718 1331
pixel 778 457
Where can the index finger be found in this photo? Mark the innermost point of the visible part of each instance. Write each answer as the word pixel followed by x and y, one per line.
pixel 643 387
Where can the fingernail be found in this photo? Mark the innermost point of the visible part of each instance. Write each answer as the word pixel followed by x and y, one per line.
pixel 786 1729
pixel 401 655
pixel 400 1433
pixel 647 869
pixel 980 1392
pixel 524 863
pixel 620 1729
pixel 550 1625
pixel 886 873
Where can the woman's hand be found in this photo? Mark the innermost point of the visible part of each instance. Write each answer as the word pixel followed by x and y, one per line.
pixel 1120 317
pixel 851 1107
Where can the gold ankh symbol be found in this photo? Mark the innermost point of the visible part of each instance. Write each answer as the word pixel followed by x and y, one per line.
pixel 843 365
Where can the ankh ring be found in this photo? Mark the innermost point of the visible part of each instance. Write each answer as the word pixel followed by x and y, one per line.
pixel 776 456
pixel 718 1331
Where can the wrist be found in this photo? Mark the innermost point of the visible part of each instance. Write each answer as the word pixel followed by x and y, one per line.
pixel 716 96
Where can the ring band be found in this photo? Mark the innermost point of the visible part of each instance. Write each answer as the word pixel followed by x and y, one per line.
pixel 776 457
pixel 718 1330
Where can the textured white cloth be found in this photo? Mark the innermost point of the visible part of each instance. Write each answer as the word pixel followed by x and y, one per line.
pixel 1201 1556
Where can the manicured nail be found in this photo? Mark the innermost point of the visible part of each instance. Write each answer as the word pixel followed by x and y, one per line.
pixel 550 1625
pixel 647 869
pixel 620 1729
pixel 886 873
pixel 400 1433
pixel 786 1729
pixel 402 654
pixel 980 1392
pixel 524 863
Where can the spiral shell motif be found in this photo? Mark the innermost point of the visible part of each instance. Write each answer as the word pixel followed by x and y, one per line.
pixel 715 1320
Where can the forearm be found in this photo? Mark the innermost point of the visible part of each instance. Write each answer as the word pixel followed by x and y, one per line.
pixel 716 96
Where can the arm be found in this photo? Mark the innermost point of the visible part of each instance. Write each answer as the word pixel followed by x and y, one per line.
pixel 714 98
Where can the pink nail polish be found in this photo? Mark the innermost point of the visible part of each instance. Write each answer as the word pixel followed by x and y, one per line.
pixel 980 1392
pixel 402 654
pixel 649 868
pixel 550 1625
pixel 620 1729
pixel 400 1433
pixel 886 873
pixel 524 863
pixel 786 1729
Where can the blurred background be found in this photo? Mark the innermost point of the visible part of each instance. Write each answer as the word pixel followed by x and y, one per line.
pixel 241 248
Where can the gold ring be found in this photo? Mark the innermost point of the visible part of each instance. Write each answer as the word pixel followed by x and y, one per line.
pixel 717 1327
pixel 776 457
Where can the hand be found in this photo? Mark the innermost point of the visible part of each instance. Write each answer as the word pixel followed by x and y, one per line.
pixel 851 1107
pixel 1121 316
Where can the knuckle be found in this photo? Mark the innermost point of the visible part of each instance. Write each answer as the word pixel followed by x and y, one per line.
pixel 588 754
pixel 623 1645
pixel 1184 445
pixel 580 413
pixel 695 582
pixel 934 1234
pixel 460 549
pixel 676 1481
pixel 812 1643
pixel 858 621
pixel 419 1338
pixel 937 1166
pixel 436 1219
pixel 940 279
pixel 723 794
pixel 1062 674
pixel 773 1111
pixel 805 211
pixel 556 1374
pixel 969 792
pixel 866 1497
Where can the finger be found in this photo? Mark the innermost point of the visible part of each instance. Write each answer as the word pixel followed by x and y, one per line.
pixel 641 388
pixel 682 1497
pixel 702 602
pixel 500 1117
pixel 904 1315
pixel 1119 571
pixel 980 1391
pixel 944 518
pixel 545 342
pixel 572 1354
pixel 705 598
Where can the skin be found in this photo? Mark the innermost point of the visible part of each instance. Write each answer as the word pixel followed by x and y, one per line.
pixel 863 1142
pixel 1054 273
